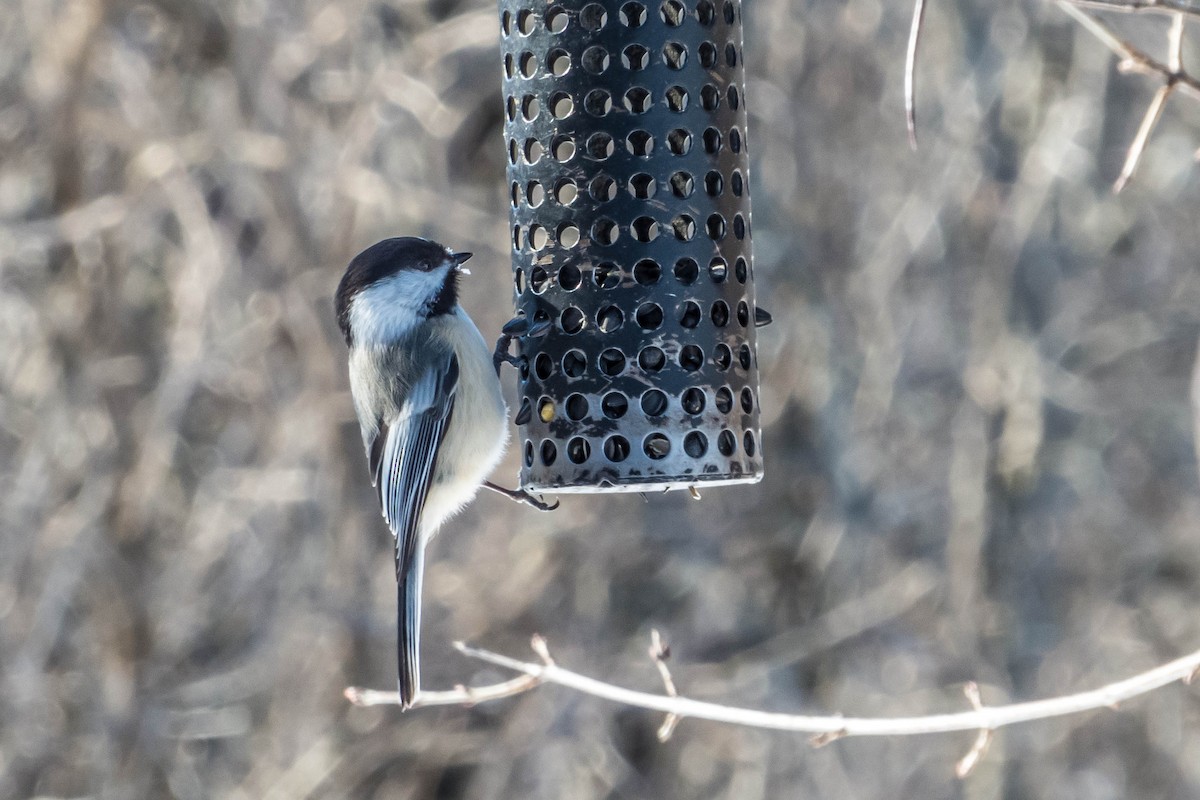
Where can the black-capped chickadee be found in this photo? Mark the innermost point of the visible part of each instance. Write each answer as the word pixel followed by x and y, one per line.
pixel 428 401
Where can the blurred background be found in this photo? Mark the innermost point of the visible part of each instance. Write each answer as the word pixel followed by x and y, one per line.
pixel 977 425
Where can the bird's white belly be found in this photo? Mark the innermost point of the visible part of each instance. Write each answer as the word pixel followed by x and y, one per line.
pixel 475 440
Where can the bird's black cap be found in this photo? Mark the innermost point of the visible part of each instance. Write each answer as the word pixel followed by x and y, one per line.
pixel 388 257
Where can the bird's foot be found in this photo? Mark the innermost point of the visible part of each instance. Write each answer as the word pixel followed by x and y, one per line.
pixel 521 496
pixel 516 328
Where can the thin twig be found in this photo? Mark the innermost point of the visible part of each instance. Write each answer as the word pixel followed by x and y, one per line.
pixel 833 727
pixel 1175 45
pixel 660 652
pixel 1172 73
pixel 1142 6
pixel 1132 59
pixel 1096 28
pixel 968 762
pixel 458 696
pixel 910 68
pixel 1153 113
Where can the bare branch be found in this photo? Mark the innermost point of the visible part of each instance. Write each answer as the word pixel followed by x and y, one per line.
pixel 1139 6
pixel 1172 73
pixel 910 68
pixel 826 728
pixel 1175 45
pixel 1097 28
pixel 460 695
pixel 1139 141
pixel 1132 59
pixel 466 696
pixel 660 652
pixel 968 762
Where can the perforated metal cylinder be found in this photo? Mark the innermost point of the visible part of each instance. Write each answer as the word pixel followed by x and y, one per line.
pixel 629 185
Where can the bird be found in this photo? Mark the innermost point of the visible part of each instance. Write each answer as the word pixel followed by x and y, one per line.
pixel 429 404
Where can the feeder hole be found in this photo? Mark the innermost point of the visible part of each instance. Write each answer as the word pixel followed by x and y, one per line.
pixel 674 55
pixel 593 17
pixel 722 357
pixel 718 268
pixel 689 314
pixel 614 405
pixel 652 358
pixel 609 318
pixel 543 366
pixel 539 279
pixel 569 277
pixel 602 188
pixel 574 363
pixel 649 316
pixel 654 403
pixel 647 272
pixel 637 100
pixel 578 450
pixel 595 59
pixel 572 320
pixel 682 185
pixel 616 449
pixel 612 362
pixel 744 356
pixel 691 357
pixel 695 444
pixel 720 313
pixel 644 229
pixel 686 271
pixel 577 407
pixel 656 446
pixel 633 15
pixel 635 58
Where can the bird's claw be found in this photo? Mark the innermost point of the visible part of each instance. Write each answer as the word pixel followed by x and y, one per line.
pixel 539 503
pixel 521 496
pixel 516 328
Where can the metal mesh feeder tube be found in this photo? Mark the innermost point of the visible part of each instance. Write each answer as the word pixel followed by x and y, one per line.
pixel 630 220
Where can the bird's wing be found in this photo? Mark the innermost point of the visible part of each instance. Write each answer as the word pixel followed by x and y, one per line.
pixel 402 457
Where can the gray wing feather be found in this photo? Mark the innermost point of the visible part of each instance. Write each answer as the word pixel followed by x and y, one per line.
pixel 405 449
pixel 402 459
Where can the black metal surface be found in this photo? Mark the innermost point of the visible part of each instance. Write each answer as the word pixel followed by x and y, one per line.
pixel 630 209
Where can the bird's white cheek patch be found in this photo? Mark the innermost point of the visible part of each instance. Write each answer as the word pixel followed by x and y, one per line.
pixel 390 309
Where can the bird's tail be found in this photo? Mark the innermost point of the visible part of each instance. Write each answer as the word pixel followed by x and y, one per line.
pixel 408 628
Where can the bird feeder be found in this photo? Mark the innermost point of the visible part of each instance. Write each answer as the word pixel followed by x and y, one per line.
pixel 630 219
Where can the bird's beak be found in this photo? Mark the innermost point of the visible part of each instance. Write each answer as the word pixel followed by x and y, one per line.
pixel 459 259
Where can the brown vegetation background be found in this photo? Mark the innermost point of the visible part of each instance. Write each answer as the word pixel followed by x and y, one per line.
pixel 976 395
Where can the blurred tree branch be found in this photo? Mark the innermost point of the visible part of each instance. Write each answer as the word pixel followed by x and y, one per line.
pixel 1135 6
pixel 1172 73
